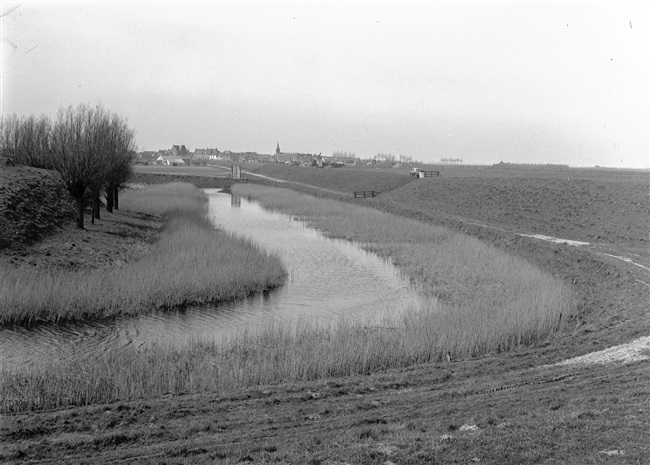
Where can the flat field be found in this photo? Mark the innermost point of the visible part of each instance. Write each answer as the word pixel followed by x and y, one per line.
pixel 511 407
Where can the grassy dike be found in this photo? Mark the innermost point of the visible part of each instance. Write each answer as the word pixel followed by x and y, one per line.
pixel 192 263
pixel 482 301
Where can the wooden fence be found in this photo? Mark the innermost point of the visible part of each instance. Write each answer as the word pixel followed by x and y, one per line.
pixel 364 194
pixel 425 174
pixel 429 174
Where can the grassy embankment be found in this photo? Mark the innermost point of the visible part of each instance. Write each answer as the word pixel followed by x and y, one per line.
pixel 192 263
pixel 32 204
pixel 486 302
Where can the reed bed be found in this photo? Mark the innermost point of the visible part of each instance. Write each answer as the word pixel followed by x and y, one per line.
pixel 192 263
pixel 456 269
pixel 487 300
pixel 481 300
pixel 163 199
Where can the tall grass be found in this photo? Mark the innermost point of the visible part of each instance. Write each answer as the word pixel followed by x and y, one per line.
pixel 191 263
pixel 494 299
pixel 165 199
pixel 482 300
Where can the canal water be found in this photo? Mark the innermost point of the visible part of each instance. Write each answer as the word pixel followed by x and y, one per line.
pixel 328 279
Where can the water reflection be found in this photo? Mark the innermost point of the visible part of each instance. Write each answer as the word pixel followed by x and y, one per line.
pixel 327 279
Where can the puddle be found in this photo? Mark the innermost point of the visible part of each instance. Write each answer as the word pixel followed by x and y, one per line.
pixel 555 240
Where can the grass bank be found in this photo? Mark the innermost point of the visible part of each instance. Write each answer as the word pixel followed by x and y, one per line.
pixel 191 263
pixel 482 301
pixel 32 205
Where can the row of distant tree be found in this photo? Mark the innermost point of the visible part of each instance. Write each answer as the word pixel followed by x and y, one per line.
pixel 342 154
pixel 90 148
pixel 390 158
pixel 381 157
pixel 451 161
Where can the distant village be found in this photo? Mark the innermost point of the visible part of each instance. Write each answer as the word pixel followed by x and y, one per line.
pixel 179 155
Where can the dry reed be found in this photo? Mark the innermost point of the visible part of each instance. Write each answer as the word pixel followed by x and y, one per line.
pixel 192 263
pixel 482 300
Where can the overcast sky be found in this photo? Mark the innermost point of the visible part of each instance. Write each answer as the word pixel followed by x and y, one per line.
pixel 550 82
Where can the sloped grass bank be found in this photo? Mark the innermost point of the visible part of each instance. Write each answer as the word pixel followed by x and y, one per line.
pixel 481 301
pixel 611 210
pixel 32 205
pixel 192 263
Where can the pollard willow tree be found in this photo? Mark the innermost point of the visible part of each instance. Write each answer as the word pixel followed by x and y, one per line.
pixel 121 166
pixel 25 140
pixel 85 142
pixel 117 155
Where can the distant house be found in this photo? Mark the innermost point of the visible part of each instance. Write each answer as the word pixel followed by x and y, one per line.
pixel 207 154
pixel 170 160
pixel 261 157
pixel 243 157
pixel 180 151
pixel 145 157
pixel 233 156
pixel 343 160
pixel 282 158
pixel 294 157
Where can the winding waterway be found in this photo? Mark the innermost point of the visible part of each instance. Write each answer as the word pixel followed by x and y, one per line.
pixel 327 279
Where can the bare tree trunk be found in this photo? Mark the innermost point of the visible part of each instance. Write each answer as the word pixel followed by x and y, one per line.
pixel 80 211
pixel 109 199
pixel 96 203
pixel 116 198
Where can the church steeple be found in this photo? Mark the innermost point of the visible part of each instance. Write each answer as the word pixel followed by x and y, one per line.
pixel 277 149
